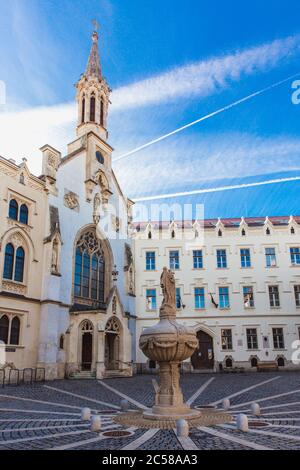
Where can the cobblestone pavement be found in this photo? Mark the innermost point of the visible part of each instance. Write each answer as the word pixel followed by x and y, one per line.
pixel 48 416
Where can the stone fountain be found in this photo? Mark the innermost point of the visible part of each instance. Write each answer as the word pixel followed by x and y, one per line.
pixel 169 343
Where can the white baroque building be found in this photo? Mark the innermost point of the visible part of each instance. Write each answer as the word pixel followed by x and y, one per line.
pixel 238 285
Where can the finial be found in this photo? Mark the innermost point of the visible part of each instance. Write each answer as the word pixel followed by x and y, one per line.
pixel 96 29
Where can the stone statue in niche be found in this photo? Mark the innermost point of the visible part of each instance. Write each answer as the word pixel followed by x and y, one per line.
pixel 55 257
pixel 131 281
pixel 97 208
pixel 167 283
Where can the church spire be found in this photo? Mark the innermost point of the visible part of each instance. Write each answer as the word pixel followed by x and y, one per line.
pixel 93 68
pixel 93 94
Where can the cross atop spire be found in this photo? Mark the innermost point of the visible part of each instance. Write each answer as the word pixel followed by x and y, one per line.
pixel 93 66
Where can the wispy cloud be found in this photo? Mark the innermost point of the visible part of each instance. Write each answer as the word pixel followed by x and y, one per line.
pixel 184 163
pixel 203 78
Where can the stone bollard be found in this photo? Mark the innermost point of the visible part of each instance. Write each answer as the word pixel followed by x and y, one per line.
pixel 124 405
pixel 242 423
pixel 95 423
pixel 85 414
pixel 182 428
pixel 255 409
pixel 226 404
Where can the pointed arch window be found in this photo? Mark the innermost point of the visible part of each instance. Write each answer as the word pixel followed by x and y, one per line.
pixel 83 110
pixel 19 265
pixel 102 113
pixel 24 214
pixel 92 108
pixel 15 331
pixel 9 261
pixel 13 209
pixel 89 273
pixel 4 328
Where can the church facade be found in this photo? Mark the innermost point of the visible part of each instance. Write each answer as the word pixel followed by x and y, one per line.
pixel 67 283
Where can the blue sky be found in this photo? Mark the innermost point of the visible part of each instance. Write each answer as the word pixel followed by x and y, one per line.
pixel 168 63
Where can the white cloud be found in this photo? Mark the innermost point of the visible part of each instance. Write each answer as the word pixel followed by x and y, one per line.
pixel 205 77
pixel 22 132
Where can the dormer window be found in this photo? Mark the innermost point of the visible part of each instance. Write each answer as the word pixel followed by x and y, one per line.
pixel 292 231
pixel 243 232
pixel 173 234
pixel 220 233
pixel 149 235
pixel 268 231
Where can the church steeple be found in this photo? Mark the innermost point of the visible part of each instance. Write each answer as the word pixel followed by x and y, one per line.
pixel 93 95
pixel 93 68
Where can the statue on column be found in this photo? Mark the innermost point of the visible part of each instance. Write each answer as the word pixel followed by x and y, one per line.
pixel 167 283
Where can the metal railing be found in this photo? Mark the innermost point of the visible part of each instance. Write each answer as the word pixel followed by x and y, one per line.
pixel 22 376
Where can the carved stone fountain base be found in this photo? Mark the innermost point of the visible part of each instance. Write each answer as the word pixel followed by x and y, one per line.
pixel 144 420
pixel 171 414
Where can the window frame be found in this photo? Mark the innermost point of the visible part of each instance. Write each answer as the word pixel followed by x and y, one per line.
pixel 151 306
pixel 252 339
pixel 11 318
pixel 197 259
pixel 226 339
pixel 221 264
pixel 150 261
pixel 251 293
pixel 278 338
pixel 222 304
pixel 295 257
pixel 297 295
pixel 270 256
pixel 174 260
pixel 274 296
pixel 199 298
pixel 245 258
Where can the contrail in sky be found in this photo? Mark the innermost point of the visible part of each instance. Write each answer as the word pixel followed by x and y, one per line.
pixel 214 190
pixel 204 118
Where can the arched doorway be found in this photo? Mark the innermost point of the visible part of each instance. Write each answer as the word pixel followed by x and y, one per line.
pixel 112 344
pixel 86 331
pixel 203 357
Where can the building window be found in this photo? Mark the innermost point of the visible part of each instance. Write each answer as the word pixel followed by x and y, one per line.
pixel 61 342
pixel 83 111
pixel 197 259
pixel 243 232
pixel 178 298
pixel 278 338
pixel 151 299
pixel 248 297
pixel 19 264
pixel 174 259
pixel 4 328
pixel 24 214
pixel 245 258
pixel 292 231
pixel 150 260
pixel 280 362
pixel 101 113
pixel 10 330
pixel 199 297
pixel 297 295
pixel 274 296
pixel 13 209
pixel 15 331
pixel 268 231
pixel 220 234
pixel 89 268
pixel 221 259
pixel 9 261
pixel 270 257
pixel 92 109
pixel 224 297
pixel 226 339
pixel 295 255
pixel 252 342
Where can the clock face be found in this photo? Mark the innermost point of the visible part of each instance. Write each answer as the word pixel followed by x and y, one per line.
pixel 100 157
